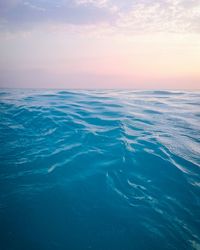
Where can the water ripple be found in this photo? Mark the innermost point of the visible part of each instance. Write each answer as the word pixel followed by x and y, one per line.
pixel 122 165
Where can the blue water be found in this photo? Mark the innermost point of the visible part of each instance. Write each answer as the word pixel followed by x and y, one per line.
pixel 102 170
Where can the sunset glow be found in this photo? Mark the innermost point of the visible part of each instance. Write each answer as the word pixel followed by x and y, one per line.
pixel 100 44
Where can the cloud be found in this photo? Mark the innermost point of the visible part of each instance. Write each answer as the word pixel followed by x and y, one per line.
pixel 123 16
pixel 98 3
pixel 20 14
pixel 166 16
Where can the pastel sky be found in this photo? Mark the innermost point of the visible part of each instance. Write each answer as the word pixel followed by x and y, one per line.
pixel 146 44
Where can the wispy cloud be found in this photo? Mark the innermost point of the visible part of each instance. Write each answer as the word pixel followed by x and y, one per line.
pixel 22 14
pixel 128 16
pixel 166 16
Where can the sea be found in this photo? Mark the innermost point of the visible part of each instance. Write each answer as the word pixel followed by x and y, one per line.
pixel 99 169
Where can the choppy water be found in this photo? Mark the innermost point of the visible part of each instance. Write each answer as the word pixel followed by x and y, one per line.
pixel 99 170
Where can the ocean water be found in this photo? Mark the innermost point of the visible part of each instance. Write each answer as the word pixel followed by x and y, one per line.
pixel 99 169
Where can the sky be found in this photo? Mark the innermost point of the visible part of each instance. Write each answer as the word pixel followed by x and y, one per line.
pixel 146 44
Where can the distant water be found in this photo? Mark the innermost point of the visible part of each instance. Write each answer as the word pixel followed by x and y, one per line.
pixel 102 170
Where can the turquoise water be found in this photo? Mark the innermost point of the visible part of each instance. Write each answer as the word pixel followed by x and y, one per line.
pixel 99 170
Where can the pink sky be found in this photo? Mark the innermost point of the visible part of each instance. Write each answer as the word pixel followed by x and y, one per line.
pixel 147 46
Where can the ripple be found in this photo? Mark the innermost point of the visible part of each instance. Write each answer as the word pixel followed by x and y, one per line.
pixel 118 161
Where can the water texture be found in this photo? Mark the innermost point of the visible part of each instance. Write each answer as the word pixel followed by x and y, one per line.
pixel 99 169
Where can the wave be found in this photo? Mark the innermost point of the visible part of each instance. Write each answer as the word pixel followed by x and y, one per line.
pixel 121 165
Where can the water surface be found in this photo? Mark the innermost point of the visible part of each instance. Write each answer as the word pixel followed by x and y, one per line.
pixel 100 170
